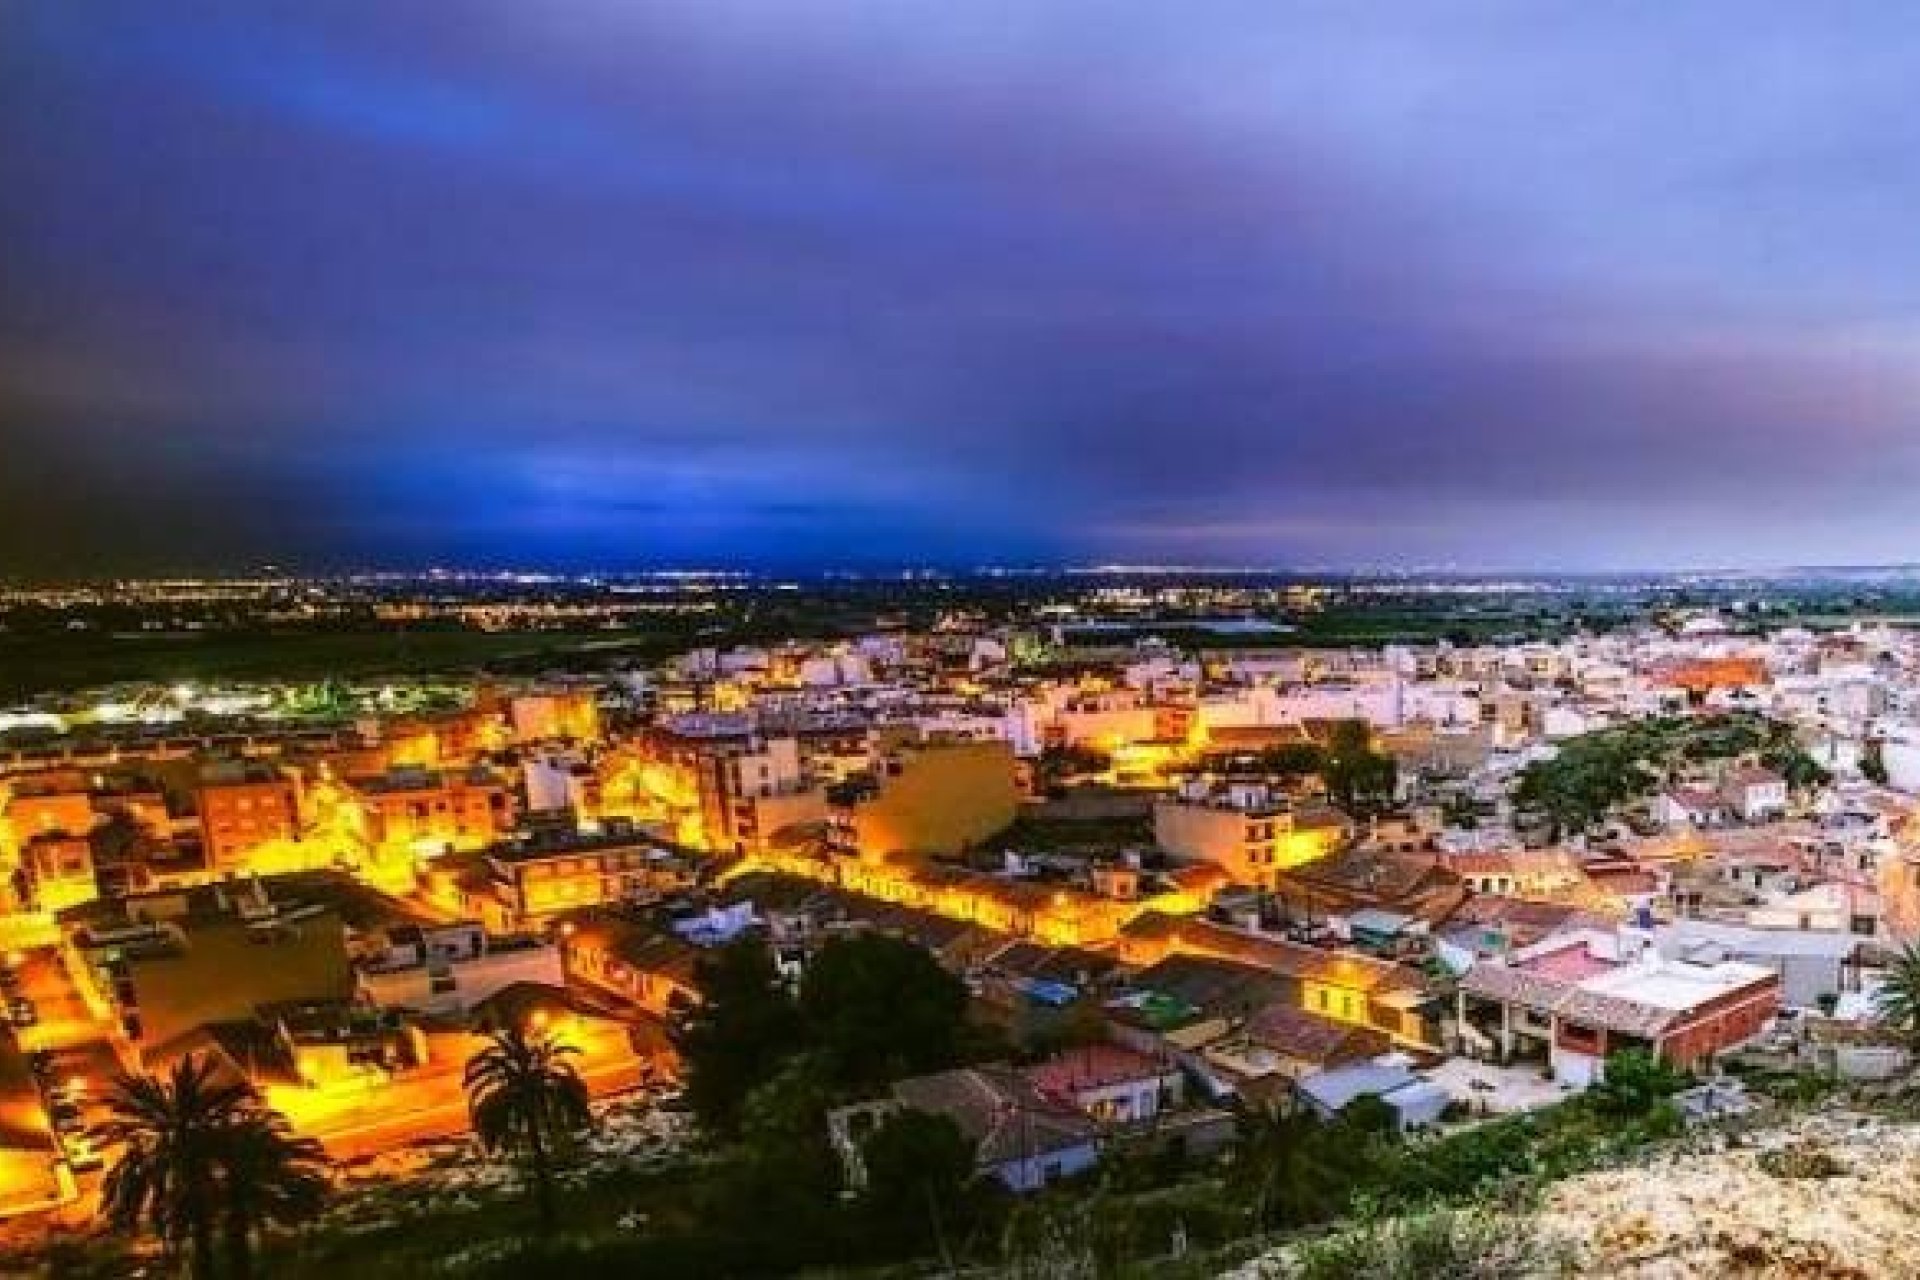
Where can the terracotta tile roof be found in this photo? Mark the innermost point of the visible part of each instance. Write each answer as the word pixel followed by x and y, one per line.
pixel 1007 1118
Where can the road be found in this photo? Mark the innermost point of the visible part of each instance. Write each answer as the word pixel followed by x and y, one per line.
pixel 398 1113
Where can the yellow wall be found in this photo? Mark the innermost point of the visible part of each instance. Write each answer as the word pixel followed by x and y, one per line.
pixel 946 798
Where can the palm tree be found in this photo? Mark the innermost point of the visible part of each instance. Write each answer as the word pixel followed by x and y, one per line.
pixel 525 1097
pixel 1898 1000
pixel 171 1131
pixel 270 1176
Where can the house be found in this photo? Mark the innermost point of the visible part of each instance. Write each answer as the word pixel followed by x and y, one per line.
pixel 1755 794
pixel 1414 1102
pixel 1689 806
pixel 168 963
pixel 1021 1137
pixel 633 957
pixel 1281 1045
pixel 1812 964
pixel 1115 1086
pixel 244 808
pixel 423 813
pixel 446 969
pixel 1575 999
pixel 524 883
pixel 1249 830
pixel 1343 985
pixel 56 872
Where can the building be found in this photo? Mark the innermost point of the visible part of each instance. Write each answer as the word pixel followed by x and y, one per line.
pixel 1021 1137
pixel 166 964
pixel 245 808
pixel 561 782
pixel 56 872
pixel 1756 794
pixel 754 792
pixel 447 969
pixel 733 788
pixel 634 958
pixel 1247 829
pixel 550 714
pixel 521 884
pixel 1342 986
pixel 1114 1085
pixel 423 813
pixel 1573 1000
pixel 1413 1101
pixel 936 798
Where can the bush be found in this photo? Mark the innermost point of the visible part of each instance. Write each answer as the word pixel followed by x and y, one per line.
pixel 1802 1158
pixel 1447 1244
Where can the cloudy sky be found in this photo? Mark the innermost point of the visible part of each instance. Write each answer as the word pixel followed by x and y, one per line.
pixel 596 283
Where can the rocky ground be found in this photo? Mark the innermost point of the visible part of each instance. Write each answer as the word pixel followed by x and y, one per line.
pixel 1827 1195
pixel 1832 1194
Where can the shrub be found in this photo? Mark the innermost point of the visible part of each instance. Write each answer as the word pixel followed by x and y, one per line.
pixel 1803 1158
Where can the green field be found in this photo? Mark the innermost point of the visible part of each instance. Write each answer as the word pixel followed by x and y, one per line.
pixel 31 665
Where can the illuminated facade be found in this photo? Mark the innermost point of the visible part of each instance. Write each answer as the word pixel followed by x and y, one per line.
pixel 425 813
pixel 938 798
pixel 1244 829
pixel 243 810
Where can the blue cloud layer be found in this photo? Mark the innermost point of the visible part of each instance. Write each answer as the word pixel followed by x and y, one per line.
pixel 598 283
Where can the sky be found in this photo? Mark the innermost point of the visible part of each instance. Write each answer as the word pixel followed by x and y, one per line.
pixel 595 284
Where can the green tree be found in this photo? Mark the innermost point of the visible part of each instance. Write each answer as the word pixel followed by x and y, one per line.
pixel 526 1098
pixel 1635 1082
pixel 1295 1170
pixel 880 1007
pixel 1359 780
pixel 1898 999
pixel 736 1036
pixel 271 1178
pixel 1873 764
pixel 774 1200
pixel 173 1133
pixel 1291 760
pixel 918 1168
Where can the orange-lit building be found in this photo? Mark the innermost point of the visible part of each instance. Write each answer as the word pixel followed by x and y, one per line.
pixel 244 808
pixel 730 789
pixel 56 804
pixel 56 872
pixel 555 713
pixel 428 812
pixel 1700 676
pixel 1249 830
pixel 934 797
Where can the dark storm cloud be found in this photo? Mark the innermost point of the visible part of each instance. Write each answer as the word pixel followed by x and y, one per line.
pixel 599 283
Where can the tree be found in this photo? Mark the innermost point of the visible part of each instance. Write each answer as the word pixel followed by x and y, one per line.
pixel 736 1036
pixel 918 1167
pixel 1292 760
pixel 1635 1082
pixel 270 1177
pixel 175 1134
pixel 1359 779
pixel 1294 1170
pixel 1873 763
pixel 1898 1000
pixel 775 1195
pixel 880 1007
pixel 525 1097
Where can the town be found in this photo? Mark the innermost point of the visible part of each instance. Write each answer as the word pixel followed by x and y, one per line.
pixel 1171 892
